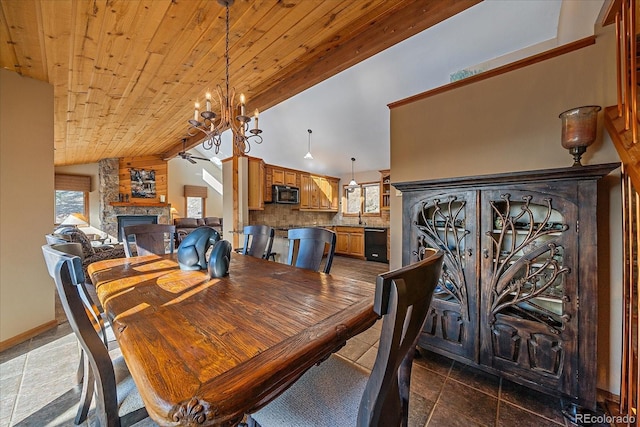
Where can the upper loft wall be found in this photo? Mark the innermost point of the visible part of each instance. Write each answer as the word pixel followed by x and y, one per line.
pixel 505 123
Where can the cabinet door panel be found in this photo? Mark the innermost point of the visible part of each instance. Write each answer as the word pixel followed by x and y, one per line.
pixel 290 178
pixel 342 243
pixel 356 244
pixel 305 192
pixel 256 184
pixel 335 194
pixel 448 222
pixel 528 325
pixel 324 193
pixel 268 183
pixel 278 176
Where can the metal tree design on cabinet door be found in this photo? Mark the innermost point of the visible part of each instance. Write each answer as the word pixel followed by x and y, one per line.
pixel 528 260
pixel 441 224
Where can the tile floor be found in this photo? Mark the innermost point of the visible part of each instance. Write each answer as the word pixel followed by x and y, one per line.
pixel 37 386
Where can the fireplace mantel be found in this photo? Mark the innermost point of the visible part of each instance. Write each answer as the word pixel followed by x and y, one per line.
pixel 141 205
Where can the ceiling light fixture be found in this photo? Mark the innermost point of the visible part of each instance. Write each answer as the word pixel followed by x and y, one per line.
pixel 229 109
pixel 353 182
pixel 308 156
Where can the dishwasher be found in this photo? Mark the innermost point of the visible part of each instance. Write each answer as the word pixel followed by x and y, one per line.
pixel 375 244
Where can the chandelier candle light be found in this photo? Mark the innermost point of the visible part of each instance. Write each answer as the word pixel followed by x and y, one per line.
pixel 212 125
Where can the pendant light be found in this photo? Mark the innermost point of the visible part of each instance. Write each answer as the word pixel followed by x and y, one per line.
pixel 353 182
pixel 308 156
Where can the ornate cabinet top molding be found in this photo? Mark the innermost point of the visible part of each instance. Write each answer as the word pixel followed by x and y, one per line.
pixel 559 174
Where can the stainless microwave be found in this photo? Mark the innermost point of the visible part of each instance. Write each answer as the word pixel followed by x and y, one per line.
pixel 286 194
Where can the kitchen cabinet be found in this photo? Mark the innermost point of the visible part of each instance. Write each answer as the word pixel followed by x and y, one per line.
pixel 385 189
pixel 305 191
pixel 319 193
pixel 518 290
pixel 324 192
pixel 284 177
pixel 268 184
pixel 275 175
pixel 334 184
pixel 350 241
pixel 256 178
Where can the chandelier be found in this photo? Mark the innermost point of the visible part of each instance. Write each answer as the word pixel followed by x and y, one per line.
pixel 232 115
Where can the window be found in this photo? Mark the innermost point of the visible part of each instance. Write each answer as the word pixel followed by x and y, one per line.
pixel 72 196
pixel 363 199
pixel 371 198
pixel 68 202
pixel 195 199
pixel 353 200
pixel 195 206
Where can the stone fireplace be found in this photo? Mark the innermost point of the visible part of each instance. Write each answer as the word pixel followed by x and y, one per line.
pixel 109 188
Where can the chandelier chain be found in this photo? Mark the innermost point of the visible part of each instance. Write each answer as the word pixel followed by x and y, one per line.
pixel 232 117
pixel 226 55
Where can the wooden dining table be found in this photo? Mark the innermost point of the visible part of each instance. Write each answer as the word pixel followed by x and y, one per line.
pixel 206 351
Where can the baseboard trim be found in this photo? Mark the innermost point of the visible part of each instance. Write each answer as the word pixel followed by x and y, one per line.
pixel 20 338
pixel 607 396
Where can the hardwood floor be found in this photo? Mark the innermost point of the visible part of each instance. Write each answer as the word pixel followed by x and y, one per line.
pixel 357 269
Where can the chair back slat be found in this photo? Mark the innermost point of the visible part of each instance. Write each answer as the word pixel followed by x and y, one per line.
pixel 258 240
pixel 150 239
pixel 307 248
pixel 78 277
pixel 403 297
pixel 83 320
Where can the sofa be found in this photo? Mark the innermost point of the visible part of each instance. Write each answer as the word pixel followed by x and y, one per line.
pixel 185 226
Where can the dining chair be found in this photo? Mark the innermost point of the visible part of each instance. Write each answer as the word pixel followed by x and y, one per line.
pixel 258 240
pixel 149 239
pixel 339 392
pixel 118 402
pixel 307 248
pixel 74 248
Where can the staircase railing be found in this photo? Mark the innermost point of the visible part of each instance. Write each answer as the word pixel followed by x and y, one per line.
pixel 621 122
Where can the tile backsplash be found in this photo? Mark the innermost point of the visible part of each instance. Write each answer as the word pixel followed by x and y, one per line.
pixel 276 215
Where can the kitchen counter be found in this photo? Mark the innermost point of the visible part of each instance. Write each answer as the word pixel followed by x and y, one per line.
pixel 355 246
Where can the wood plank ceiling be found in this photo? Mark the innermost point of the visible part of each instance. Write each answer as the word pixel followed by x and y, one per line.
pixel 126 73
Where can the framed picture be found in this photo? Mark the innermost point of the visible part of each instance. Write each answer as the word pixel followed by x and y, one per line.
pixel 143 183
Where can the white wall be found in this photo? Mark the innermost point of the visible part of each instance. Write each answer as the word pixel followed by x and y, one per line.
pixel 26 203
pixel 182 172
pixel 510 123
